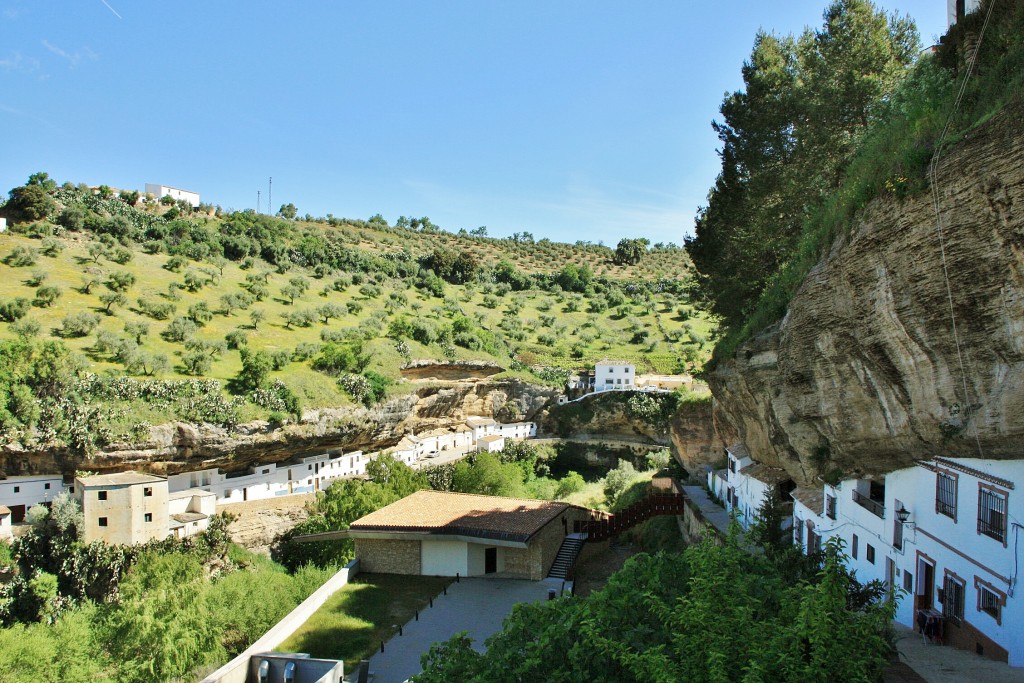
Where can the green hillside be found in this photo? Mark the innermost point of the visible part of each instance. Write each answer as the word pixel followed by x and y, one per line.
pixel 331 308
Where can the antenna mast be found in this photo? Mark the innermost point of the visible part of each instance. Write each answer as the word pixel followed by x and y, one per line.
pixel 257 202
pixel 270 197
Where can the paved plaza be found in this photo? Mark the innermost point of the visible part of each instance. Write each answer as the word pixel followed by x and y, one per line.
pixel 474 605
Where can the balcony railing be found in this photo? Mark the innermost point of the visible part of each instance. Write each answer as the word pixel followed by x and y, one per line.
pixel 872 506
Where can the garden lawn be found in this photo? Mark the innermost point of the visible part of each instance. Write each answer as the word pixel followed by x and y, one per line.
pixel 353 622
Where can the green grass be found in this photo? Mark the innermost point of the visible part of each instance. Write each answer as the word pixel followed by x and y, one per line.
pixel 352 623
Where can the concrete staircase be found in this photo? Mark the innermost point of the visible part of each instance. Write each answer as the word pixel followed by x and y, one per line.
pixel 566 557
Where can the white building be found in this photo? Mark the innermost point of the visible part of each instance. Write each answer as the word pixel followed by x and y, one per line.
pixel 955 555
pixel 304 475
pixel 161 191
pixel 495 443
pixel 22 492
pixel 743 485
pixel 614 375
pixel 6 532
pixel 958 9
pixel 189 511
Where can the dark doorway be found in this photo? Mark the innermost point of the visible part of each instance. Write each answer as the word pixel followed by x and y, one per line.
pixel 925 584
pixel 490 560
pixel 17 513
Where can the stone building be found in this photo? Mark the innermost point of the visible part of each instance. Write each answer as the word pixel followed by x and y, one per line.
pixel 123 508
pixel 436 533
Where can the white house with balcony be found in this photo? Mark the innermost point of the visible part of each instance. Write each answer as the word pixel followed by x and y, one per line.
pixel 614 375
pixel 944 535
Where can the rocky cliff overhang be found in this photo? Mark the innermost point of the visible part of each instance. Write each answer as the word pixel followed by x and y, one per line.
pixel 863 375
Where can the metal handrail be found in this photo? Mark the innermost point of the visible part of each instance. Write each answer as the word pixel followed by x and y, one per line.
pixel 872 506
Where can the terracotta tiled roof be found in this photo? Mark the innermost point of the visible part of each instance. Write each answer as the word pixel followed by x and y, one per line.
pixel 120 479
pixel 480 421
pixel 491 439
pixel 441 512
pixel 4 510
pixel 766 474
pixel 813 498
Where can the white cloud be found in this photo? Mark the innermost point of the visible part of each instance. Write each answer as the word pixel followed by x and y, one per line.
pixel 73 58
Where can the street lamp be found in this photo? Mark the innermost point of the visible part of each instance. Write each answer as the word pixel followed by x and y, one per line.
pixel 903 514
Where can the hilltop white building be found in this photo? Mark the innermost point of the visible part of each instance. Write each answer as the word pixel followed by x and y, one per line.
pixel 161 191
pixel 943 535
pixel 614 375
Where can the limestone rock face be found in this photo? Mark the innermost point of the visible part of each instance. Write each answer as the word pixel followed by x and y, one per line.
pixel 864 371
pixel 180 447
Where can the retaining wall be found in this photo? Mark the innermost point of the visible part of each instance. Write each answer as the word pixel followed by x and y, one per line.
pixel 237 669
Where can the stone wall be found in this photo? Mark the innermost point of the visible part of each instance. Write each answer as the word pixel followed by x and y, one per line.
pixel 381 556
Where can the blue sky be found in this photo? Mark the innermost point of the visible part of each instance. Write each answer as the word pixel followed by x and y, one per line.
pixel 570 120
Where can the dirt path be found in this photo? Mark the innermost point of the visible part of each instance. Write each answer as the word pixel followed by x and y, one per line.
pixel 597 563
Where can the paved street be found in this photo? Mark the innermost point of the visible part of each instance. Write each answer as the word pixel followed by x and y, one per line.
pixel 474 605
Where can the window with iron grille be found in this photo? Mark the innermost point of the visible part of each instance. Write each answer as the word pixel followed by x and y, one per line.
pixel 945 494
pixel 989 602
pixel 830 507
pixel 992 514
pixel 798 531
pixel 953 599
pixel 897 534
pixel 854 546
pixel 870 554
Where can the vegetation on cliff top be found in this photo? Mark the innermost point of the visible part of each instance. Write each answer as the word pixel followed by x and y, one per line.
pixel 828 121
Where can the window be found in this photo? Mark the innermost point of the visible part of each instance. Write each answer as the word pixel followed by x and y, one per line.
pixel 945 493
pixel 870 553
pixel 953 598
pixel 990 600
pixel 148 517
pixel 798 531
pixel 854 543
pixel 101 495
pixel 908 582
pixel 830 507
pixel 813 542
pixel 17 489
pixel 46 486
pixel 732 466
pixel 102 521
pixel 148 491
pixel 897 534
pixel 992 513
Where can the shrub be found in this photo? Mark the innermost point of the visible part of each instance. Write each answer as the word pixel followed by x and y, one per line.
pixel 79 324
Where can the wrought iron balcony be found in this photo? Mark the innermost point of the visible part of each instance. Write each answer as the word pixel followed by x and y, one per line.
pixel 873 506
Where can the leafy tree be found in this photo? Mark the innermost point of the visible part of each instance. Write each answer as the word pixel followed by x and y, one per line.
pixel 256 367
pixel 47 296
pixel 79 324
pixel 787 138
pixel 120 281
pixel 257 316
pixel 14 309
pixel 630 251
pixel 30 202
pixel 179 330
pixel 288 211
pixel 111 299
pixel 161 616
pixel 200 313
pixel 328 311
pixel 136 330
